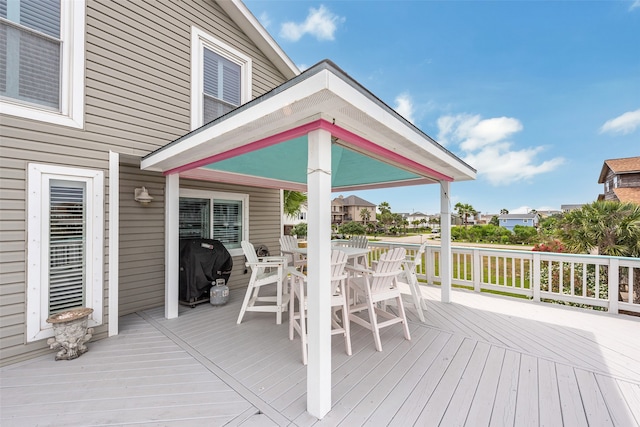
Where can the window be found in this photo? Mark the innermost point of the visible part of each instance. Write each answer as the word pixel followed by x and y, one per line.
pixel 42 60
pixel 220 78
pixel 615 181
pixel 65 244
pixel 213 215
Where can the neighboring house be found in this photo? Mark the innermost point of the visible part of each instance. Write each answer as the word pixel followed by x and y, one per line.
pixel 288 221
pixel 116 81
pixel 483 219
pixel 416 216
pixel 621 179
pixel 347 209
pixel 569 208
pixel 509 221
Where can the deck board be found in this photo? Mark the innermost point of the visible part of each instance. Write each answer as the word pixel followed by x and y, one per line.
pixel 481 360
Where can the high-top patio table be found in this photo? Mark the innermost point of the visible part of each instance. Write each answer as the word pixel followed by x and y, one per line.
pixel 409 266
pixel 352 253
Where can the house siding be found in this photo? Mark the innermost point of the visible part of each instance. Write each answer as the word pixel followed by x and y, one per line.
pixel 137 99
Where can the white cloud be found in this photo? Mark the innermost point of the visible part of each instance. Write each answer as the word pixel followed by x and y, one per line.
pixel 320 23
pixel 484 145
pixel 623 124
pixel 634 5
pixel 520 210
pixel 264 19
pixel 404 106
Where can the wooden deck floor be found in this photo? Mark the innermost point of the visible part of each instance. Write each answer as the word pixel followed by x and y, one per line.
pixel 481 361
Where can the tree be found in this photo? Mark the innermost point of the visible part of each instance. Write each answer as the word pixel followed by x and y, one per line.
pixel 464 211
pixel 384 207
pixel 352 228
pixel 604 227
pixel 299 230
pixel 386 218
pixel 495 221
pixel 504 211
pixel 365 214
pixel 293 202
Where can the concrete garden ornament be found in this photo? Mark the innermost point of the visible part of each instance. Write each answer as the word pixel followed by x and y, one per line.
pixel 71 333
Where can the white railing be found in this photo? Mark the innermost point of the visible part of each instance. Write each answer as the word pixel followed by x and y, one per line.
pixel 541 276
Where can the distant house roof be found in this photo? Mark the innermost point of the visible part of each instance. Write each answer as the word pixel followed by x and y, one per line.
pixel 518 216
pixel 355 201
pixel 626 194
pixel 572 206
pixel 619 166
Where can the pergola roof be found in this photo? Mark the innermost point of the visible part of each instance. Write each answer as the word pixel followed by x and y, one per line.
pixel 264 142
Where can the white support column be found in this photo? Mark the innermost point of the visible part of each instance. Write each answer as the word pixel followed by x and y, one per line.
pixel 171 245
pixel 114 245
pixel 319 273
pixel 445 241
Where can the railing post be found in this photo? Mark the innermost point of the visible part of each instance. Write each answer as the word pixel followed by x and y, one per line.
pixel 613 284
pixel 535 279
pixel 477 270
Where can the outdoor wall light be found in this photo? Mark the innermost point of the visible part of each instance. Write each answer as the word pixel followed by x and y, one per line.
pixel 141 195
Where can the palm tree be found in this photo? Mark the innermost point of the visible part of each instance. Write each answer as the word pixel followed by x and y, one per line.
pixel 464 211
pixel 605 228
pixel 504 211
pixel 293 202
pixel 365 214
pixel 384 207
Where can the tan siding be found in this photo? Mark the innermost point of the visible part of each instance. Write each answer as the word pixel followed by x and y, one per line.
pixel 137 99
pixel 141 241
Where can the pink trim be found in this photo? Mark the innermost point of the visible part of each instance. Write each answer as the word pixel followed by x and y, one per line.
pixel 335 130
pixel 253 146
pixel 239 179
pixel 417 181
pixel 369 146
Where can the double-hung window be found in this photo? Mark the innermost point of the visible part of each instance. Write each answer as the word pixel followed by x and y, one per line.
pixel 42 60
pixel 65 244
pixel 214 215
pixel 220 78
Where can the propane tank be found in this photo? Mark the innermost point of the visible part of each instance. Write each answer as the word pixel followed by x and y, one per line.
pixel 219 294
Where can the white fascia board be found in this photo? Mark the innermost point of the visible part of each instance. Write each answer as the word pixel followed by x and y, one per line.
pixel 164 160
pixel 354 97
pixel 242 16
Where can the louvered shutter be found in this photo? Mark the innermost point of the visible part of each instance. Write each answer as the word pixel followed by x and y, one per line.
pixel 67 245
pixel 227 222
pixel 221 85
pixel 30 44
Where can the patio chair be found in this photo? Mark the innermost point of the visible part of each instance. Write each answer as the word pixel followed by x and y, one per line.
pixel 378 286
pixel 265 271
pixel 296 259
pixel 359 242
pixel 297 319
pixel 410 265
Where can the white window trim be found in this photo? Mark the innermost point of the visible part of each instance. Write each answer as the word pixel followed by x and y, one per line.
pixel 71 114
pixel 39 176
pixel 244 198
pixel 200 40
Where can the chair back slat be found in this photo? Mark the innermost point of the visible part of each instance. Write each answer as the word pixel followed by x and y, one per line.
pixel 417 259
pixel 358 242
pixel 288 242
pixel 388 268
pixel 249 251
pixel 338 272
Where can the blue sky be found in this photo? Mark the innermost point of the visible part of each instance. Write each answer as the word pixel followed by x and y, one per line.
pixel 533 94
